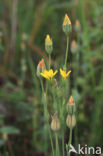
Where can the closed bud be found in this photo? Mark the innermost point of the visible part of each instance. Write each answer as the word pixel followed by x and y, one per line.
pixel 71 106
pixel 55 124
pixel 67 27
pixel 40 67
pixel 74 47
pixel 48 44
pixel 77 26
pixel 71 121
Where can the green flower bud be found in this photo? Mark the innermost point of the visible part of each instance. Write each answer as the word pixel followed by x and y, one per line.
pixel 48 44
pixel 67 27
pixel 71 106
pixel 40 67
pixel 77 26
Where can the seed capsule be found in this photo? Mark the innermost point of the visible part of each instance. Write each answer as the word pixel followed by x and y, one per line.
pixel 71 121
pixel 55 124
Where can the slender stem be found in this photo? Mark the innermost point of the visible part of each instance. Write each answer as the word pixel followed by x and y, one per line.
pixel 49 61
pixel 63 143
pixel 66 56
pixel 46 116
pixel 57 146
pixel 46 87
pixel 42 86
pixel 70 137
pixel 51 140
pixel 63 125
pixel 50 136
pixel 62 118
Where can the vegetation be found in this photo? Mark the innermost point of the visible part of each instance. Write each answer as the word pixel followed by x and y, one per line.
pixel 31 106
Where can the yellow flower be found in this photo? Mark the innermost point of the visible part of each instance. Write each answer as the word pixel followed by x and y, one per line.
pixel 48 74
pixel 48 41
pixel 66 20
pixel 64 74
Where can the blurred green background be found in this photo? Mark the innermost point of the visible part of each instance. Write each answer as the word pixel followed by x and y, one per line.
pixel 23 28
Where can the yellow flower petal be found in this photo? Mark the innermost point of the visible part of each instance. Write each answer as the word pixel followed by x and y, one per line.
pixel 48 40
pixel 55 73
pixel 66 20
pixel 48 74
pixel 44 75
pixel 64 74
pixel 68 72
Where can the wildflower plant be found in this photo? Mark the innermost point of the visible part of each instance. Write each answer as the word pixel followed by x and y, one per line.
pixel 63 110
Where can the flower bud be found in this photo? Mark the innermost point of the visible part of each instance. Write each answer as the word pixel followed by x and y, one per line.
pixel 71 106
pixel 74 47
pixel 55 124
pixel 71 121
pixel 48 44
pixel 67 27
pixel 77 26
pixel 40 67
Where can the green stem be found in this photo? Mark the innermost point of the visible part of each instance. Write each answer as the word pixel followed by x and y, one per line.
pixel 46 116
pixel 70 137
pixel 66 56
pixel 49 61
pixel 51 140
pixel 57 146
pixel 63 143
pixel 42 86
pixel 50 136
pixel 62 118
pixel 46 87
